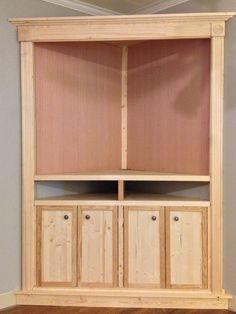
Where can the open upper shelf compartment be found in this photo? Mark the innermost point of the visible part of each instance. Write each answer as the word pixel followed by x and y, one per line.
pixel 102 108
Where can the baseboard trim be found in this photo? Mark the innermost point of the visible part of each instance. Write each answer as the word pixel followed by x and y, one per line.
pixel 7 299
pixel 92 300
pixel 232 303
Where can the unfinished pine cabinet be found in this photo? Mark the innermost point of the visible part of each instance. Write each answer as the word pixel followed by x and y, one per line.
pixel 144 244
pixel 122 120
pixel 186 247
pixel 56 239
pixel 98 246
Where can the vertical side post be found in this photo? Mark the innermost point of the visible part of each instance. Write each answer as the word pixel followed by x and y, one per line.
pixel 28 167
pixel 216 161
pixel 124 107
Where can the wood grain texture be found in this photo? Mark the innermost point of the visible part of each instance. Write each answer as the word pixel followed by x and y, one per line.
pixel 131 302
pixel 98 246
pixel 56 246
pixel 168 106
pixel 121 190
pixel 186 247
pixel 78 94
pixel 130 200
pixel 115 31
pixel 120 224
pixel 68 78
pixel 216 161
pixel 28 166
pixel 124 93
pixel 125 297
pixel 117 28
pixel 76 310
pixel 144 264
pixel 126 292
pixel 180 17
pixel 127 175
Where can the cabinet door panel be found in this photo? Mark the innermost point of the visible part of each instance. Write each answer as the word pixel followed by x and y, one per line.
pixel 186 244
pixel 56 246
pixel 98 246
pixel 144 247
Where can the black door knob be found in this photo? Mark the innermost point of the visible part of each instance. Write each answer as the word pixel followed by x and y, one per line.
pixel 154 218
pixel 66 217
pixel 87 217
pixel 176 218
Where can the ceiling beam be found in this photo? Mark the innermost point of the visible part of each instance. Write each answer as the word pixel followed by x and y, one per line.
pixel 157 6
pixel 83 7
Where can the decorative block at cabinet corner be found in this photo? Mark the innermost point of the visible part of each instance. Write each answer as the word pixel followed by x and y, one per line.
pixel 56 246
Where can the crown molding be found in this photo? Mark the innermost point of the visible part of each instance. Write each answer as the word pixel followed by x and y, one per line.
pixel 158 6
pixel 124 19
pixel 83 7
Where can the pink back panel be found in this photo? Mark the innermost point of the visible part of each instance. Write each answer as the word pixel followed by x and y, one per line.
pixel 78 116
pixel 168 106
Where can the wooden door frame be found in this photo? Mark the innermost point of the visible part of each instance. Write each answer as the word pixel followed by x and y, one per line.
pixel 204 241
pixel 39 213
pixel 114 210
pixel 161 222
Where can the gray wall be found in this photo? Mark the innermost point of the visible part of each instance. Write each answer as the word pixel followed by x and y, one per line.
pixel 229 131
pixel 10 139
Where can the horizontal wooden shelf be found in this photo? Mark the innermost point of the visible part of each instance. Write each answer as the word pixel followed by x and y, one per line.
pixel 75 198
pixel 160 197
pixel 133 199
pixel 126 175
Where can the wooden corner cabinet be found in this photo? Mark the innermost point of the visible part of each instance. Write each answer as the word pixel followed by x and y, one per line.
pixel 122 121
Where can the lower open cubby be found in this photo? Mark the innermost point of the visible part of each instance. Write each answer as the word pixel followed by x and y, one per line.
pixel 77 190
pixel 185 191
pixel 121 192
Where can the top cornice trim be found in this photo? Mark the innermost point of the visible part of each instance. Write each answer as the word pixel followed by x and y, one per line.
pixel 162 18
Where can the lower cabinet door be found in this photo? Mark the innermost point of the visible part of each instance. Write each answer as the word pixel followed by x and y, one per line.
pixel 186 247
pixel 144 247
pixel 56 246
pixel 98 246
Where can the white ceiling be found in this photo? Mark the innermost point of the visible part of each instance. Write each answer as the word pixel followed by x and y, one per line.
pixel 122 6
pixel 110 7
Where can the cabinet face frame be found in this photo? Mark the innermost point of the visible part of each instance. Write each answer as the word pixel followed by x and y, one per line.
pixel 203 211
pixel 161 248
pixel 28 167
pixel 166 26
pixel 39 248
pixel 114 212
